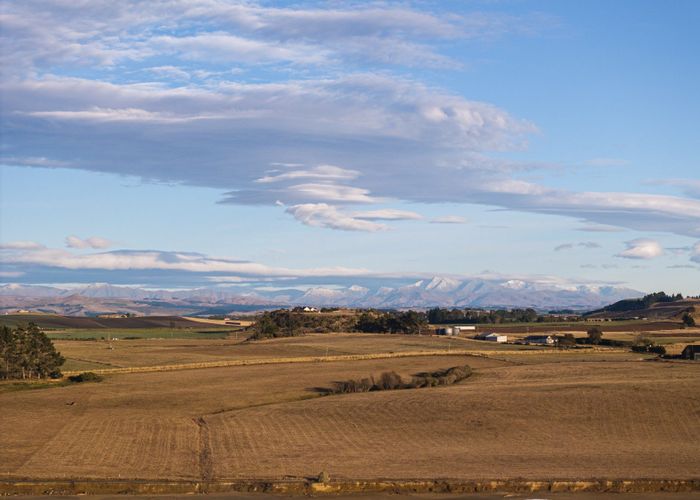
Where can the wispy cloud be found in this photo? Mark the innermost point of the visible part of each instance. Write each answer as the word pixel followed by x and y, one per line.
pixel 328 216
pixel 21 245
pixel 387 214
pixel 94 242
pixel 449 219
pixel 581 244
pixel 599 228
pixel 358 135
pixel 153 260
pixel 642 248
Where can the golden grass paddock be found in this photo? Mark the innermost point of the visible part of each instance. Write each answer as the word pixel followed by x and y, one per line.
pixel 527 412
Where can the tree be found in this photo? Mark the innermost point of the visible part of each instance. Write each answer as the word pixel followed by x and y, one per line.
pixel 26 352
pixel 688 320
pixel 595 335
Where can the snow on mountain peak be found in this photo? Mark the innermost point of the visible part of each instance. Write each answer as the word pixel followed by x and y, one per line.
pixel 515 284
pixel 440 284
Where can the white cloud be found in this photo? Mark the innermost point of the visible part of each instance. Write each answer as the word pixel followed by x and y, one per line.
pixel 106 33
pixel 21 245
pixel 387 214
pixel 129 260
pixel 405 141
pixel 94 242
pixel 449 219
pixel 328 216
pixel 222 47
pixel 331 192
pixel 642 248
pixel 320 172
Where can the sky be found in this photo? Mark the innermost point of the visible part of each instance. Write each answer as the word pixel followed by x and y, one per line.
pixel 182 143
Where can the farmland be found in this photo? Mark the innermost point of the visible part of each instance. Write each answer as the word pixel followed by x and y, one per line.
pixel 527 412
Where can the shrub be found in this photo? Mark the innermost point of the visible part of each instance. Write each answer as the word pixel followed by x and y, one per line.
pixel 85 377
pixel 391 381
pixel 688 320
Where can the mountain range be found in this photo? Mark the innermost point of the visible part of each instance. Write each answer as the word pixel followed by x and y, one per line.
pixel 438 291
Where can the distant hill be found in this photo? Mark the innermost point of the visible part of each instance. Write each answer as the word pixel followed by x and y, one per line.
pixel 653 306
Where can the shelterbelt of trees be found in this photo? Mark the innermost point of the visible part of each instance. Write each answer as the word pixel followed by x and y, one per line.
pixel 440 315
pixel 26 353
pixel 285 323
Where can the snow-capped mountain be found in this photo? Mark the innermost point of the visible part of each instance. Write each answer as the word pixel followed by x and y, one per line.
pixel 438 291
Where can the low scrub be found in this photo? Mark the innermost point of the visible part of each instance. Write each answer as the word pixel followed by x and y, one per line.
pixel 389 381
pixel 85 377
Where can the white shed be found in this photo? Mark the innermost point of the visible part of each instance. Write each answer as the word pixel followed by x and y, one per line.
pixel 494 337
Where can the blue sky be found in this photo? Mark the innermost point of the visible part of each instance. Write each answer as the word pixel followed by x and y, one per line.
pixel 199 142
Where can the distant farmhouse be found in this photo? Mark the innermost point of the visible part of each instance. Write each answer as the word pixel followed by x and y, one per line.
pixel 492 337
pixel 691 352
pixel 539 339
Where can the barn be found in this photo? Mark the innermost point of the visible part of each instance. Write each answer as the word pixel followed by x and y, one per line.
pixel 493 337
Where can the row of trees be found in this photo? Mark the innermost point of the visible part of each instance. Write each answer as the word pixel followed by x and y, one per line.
pixel 26 352
pixel 440 315
pixel 285 323
pixel 409 322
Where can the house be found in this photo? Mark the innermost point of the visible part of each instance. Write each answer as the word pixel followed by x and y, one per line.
pixel 310 309
pixel 691 352
pixel 493 337
pixel 539 339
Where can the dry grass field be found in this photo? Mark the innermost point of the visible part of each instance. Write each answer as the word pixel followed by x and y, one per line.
pixel 156 352
pixel 531 414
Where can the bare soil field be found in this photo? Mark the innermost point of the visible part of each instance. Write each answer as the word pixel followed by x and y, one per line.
pixel 533 414
pixel 54 321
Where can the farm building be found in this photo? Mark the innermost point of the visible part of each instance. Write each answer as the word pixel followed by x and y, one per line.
pixel 691 352
pixel 493 337
pixel 445 331
pixel 464 328
pixel 539 339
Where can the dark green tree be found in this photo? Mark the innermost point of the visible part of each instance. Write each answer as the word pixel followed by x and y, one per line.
pixel 595 335
pixel 688 320
pixel 28 353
